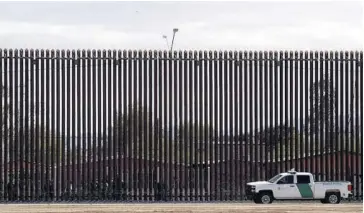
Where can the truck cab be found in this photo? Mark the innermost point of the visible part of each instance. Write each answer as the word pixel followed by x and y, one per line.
pixel 294 185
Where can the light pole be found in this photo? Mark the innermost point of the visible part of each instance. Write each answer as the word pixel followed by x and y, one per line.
pixel 174 33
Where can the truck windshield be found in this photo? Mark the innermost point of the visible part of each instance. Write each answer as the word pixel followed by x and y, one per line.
pixel 274 179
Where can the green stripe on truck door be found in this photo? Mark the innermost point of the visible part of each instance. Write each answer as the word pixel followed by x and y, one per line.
pixel 305 190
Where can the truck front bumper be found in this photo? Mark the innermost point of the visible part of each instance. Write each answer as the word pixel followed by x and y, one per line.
pixel 249 193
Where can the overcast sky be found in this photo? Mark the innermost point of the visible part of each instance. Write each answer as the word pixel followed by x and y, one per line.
pixel 202 25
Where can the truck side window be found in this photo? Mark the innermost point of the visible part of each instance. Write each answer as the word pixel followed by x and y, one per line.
pixel 286 180
pixel 303 179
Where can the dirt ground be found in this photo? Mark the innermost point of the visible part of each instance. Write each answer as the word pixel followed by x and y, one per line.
pixel 183 208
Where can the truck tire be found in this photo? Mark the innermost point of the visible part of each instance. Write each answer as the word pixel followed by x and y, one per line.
pixel 332 197
pixel 265 198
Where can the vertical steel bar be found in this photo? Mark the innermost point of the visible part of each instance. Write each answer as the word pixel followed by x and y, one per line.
pixel 284 73
pixel 196 139
pixel 110 102
pixel 235 126
pixel 5 126
pixel 326 129
pixel 79 142
pixel 360 122
pixel 103 123
pixel 230 126
pixel 156 128
pixel 140 166
pixel 305 74
pixel 276 163
pixel 11 126
pixel 118 125
pixel 315 134
pixel 164 119
pixel 144 98
pixel 260 120
pixel 245 136
pixel 312 138
pixel 321 125
pixel 113 126
pixel 175 74
pixel 331 164
pixel 105 118
pixel 182 94
pixel 185 139
pixel 351 122
pixel 70 181
pixel 16 130
pixel 63 186
pixel 336 62
pixel 92 117
pixel 52 127
pixel 37 129
pixel 267 105
pixel 216 142
pixel 296 117
pixel 358 141
pixel 100 118
pixel 41 127
pixel 260 114
pixel 220 141
pixel 58 127
pixel 212 118
pixel 72 114
pixel 2 141
pixel 291 106
pixel 250 129
pixel 190 115
pixel 205 120
pixel 26 138
pixel 255 129
pixel 224 121
pixel 133 98
pixel 88 131
pixel 341 117
pixel 170 110
pixel 125 131
pixel 82 126
pixel 47 141
pixel 150 127
pixel 241 163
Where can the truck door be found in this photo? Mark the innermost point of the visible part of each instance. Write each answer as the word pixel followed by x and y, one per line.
pixel 286 188
pixel 304 186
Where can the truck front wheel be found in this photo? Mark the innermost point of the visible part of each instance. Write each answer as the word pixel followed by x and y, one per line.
pixel 332 198
pixel 265 198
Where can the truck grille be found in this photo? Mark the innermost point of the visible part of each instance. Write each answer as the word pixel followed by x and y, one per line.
pixel 248 192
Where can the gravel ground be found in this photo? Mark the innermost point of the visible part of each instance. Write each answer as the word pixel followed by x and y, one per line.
pixel 183 207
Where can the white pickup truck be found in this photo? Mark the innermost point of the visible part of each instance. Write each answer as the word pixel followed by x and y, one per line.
pixel 294 185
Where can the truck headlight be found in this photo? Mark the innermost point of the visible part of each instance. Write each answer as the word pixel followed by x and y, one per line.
pixel 253 189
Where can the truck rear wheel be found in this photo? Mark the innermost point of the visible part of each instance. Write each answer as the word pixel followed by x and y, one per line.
pixel 332 198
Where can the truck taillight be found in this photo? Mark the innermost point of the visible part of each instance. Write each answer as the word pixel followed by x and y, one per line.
pixel 350 187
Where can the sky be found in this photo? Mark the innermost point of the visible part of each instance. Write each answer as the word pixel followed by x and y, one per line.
pixel 202 25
